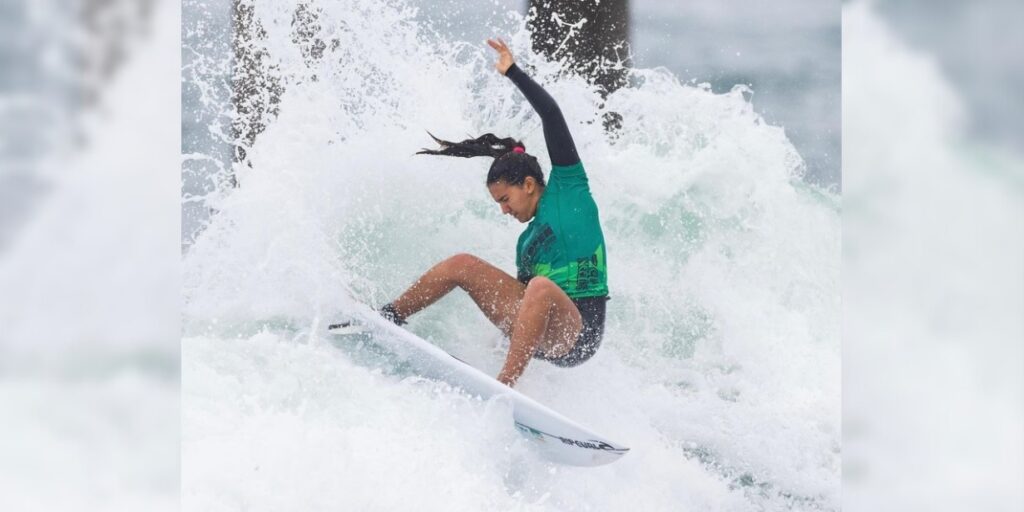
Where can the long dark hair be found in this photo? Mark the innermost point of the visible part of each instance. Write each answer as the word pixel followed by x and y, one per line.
pixel 512 164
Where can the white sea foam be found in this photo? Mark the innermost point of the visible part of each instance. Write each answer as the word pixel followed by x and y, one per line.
pixel 720 367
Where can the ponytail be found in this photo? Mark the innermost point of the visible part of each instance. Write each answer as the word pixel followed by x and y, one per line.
pixel 512 164
pixel 487 144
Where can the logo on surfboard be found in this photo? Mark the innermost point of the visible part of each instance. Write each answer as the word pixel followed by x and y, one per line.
pixel 592 444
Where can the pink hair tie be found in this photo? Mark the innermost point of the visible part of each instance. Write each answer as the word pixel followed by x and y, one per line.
pixel 519 149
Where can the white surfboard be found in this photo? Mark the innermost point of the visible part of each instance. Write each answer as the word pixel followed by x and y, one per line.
pixel 559 438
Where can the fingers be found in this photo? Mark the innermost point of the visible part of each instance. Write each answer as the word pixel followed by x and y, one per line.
pixel 498 45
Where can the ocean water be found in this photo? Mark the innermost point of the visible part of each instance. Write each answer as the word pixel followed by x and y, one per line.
pixel 721 363
pixel 789 53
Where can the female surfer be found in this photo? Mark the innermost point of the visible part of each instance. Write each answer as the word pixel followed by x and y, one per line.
pixel 555 308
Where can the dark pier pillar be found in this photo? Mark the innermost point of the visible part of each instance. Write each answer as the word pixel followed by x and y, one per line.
pixel 591 37
pixel 256 88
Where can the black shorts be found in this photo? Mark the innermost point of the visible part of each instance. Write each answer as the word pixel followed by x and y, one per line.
pixel 592 311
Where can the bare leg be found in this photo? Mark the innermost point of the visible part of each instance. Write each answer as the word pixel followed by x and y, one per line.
pixel 538 316
pixel 547 320
pixel 496 293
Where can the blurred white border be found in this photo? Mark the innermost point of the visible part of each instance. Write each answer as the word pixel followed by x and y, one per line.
pixel 89 314
pixel 933 283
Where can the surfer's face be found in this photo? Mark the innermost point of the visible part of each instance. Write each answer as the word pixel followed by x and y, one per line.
pixel 519 201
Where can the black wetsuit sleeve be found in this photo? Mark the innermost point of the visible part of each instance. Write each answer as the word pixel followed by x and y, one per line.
pixel 561 148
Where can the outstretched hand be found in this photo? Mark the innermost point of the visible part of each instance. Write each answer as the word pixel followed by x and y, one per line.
pixel 504 55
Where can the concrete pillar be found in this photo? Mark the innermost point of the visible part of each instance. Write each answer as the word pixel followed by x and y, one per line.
pixel 589 36
pixel 255 87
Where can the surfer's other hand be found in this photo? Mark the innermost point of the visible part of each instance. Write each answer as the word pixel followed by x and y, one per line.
pixel 504 55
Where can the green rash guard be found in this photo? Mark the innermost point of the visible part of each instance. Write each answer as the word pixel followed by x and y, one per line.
pixel 564 242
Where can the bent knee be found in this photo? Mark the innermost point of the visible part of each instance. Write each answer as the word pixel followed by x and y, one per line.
pixel 463 261
pixel 463 267
pixel 541 285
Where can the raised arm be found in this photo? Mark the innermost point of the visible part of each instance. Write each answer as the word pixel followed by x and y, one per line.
pixel 561 148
